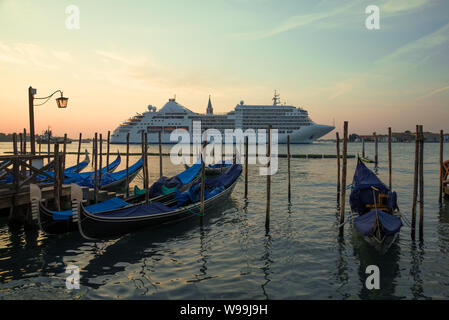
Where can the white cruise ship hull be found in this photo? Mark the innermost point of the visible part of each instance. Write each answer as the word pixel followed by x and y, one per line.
pixel 304 135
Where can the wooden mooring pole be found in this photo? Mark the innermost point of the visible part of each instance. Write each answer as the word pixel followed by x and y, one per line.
pixel 101 159
pixel 343 177
pixel 338 162
pixel 203 179
pixel 56 177
pixel 363 147
pixel 147 174
pixel 288 168
pixel 64 150
pixel 440 194
pixel 24 141
pixel 14 143
pixel 78 154
pixel 421 183
pixel 415 184
pixel 107 151
pixel 95 155
pixel 267 212
pixel 160 154
pixel 142 142
pixel 375 149
pixel 246 167
pixel 389 158
pixel 48 144
pixel 127 165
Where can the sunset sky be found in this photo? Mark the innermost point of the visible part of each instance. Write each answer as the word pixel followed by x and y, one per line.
pixel 318 54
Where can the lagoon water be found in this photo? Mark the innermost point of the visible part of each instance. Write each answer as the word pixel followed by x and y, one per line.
pixel 230 256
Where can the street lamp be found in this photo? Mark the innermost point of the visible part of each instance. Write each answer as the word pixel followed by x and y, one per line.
pixel 61 102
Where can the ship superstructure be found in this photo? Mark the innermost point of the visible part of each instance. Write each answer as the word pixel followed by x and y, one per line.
pixel 289 120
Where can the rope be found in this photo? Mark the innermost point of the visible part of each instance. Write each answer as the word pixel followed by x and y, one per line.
pixel 196 213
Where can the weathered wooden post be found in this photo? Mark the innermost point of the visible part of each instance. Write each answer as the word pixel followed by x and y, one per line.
pixel 93 149
pixel 24 141
pixel 147 174
pixel 22 168
pixel 160 154
pixel 288 168
pixel 415 183
pixel 64 151
pixel 363 147
pixel 101 160
pixel 343 177
pixel 107 151
pixel 14 143
pixel 203 179
pixel 389 158
pixel 127 165
pixel 142 143
pixel 440 194
pixel 421 183
pixel 48 144
pixel 338 162
pixel 78 154
pixel 21 143
pixel 56 182
pixel 246 167
pixel 267 212
pixel 95 153
pixel 375 149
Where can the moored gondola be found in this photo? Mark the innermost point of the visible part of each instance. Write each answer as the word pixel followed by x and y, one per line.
pixel 376 205
pixel 186 204
pixel 54 222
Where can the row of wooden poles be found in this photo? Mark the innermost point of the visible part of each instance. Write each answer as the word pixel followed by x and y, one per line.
pixel 418 177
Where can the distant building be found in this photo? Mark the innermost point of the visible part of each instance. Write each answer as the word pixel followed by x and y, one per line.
pixel 209 109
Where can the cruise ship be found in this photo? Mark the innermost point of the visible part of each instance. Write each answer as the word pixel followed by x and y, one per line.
pixel 289 120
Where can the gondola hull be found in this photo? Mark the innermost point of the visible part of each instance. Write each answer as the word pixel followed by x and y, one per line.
pixel 212 171
pixel 93 226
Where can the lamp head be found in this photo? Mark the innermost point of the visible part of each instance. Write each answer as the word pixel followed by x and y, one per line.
pixel 62 102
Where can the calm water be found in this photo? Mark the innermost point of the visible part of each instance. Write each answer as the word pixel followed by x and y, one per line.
pixel 231 257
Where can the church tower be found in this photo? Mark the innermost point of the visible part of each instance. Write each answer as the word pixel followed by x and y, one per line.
pixel 209 109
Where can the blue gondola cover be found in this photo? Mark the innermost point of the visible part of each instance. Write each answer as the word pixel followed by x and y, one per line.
pixel 113 203
pixel 362 193
pixel 365 223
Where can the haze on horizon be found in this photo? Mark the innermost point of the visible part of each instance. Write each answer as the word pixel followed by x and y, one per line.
pixel 318 54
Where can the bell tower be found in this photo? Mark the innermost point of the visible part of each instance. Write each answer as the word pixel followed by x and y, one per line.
pixel 209 109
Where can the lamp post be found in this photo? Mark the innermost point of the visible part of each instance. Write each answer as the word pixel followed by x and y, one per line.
pixel 61 102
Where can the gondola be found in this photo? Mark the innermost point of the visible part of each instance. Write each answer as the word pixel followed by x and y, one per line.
pixel 185 204
pixel 73 177
pixel 43 178
pixel 376 205
pixel 366 160
pixel 55 222
pixel 78 168
pixel 215 169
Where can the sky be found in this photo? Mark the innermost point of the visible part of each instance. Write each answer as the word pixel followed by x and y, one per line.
pixel 318 55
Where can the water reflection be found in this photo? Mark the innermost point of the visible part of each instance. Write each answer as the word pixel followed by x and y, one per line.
pixel 266 259
pixel 388 264
pixel 417 259
pixel 341 274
